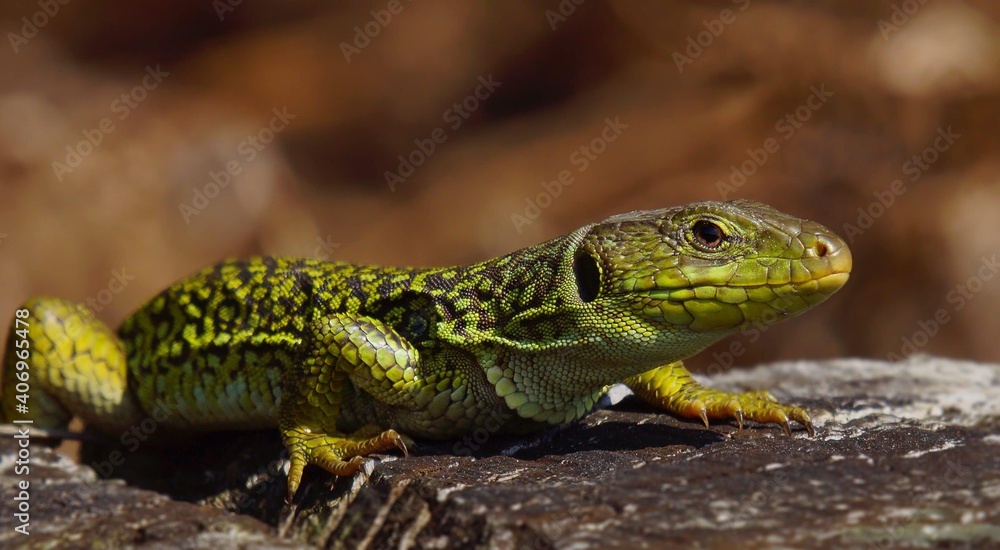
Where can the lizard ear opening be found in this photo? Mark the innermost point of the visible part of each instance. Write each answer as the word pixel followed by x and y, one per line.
pixel 588 276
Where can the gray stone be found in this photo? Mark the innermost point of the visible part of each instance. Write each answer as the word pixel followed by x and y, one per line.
pixel 70 506
pixel 907 455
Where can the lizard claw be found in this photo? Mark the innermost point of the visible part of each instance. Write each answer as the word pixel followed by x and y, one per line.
pixel 784 426
pixel 359 461
pixel 738 415
pixel 401 445
pixel 703 414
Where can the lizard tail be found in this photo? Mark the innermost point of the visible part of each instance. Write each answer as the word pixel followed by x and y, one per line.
pixel 62 362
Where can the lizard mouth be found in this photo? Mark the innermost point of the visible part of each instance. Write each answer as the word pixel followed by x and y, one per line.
pixel 752 290
pixel 822 285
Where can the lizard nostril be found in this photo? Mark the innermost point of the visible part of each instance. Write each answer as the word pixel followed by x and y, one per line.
pixel 825 245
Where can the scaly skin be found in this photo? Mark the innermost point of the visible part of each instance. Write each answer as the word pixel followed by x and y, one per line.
pixel 349 360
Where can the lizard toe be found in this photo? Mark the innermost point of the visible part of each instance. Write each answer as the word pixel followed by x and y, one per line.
pixel 738 415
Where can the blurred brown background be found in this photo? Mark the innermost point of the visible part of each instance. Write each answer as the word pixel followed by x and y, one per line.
pixel 115 118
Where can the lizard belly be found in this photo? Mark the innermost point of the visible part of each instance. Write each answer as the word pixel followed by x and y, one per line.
pixel 211 389
pixel 477 410
pixel 360 409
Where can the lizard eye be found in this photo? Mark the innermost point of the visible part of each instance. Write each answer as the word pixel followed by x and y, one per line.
pixel 707 234
pixel 588 276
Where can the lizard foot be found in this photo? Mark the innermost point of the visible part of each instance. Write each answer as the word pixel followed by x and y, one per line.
pixel 371 431
pixel 673 388
pixel 758 406
pixel 339 454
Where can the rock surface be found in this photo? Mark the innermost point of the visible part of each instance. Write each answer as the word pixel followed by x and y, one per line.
pixel 907 455
pixel 70 506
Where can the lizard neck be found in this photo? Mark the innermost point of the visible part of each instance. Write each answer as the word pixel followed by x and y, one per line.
pixel 548 355
pixel 485 301
pixel 518 315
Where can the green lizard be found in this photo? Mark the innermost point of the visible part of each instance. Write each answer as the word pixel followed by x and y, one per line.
pixel 351 360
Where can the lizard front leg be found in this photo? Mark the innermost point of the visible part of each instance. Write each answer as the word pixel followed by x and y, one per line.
pixel 673 389
pixel 343 348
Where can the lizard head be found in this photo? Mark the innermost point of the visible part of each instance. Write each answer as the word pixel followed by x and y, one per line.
pixel 707 268
pixel 644 289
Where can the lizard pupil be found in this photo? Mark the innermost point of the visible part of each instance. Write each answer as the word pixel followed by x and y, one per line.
pixel 588 276
pixel 707 233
